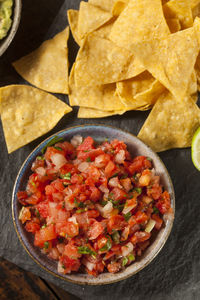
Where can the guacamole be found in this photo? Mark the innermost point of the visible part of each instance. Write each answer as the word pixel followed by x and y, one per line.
pixel 5 17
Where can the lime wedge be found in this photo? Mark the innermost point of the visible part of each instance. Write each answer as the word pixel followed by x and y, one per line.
pixel 195 151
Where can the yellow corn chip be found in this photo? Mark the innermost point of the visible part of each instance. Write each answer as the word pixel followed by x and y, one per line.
pixel 99 97
pixel 72 15
pixel 171 60
pixel 119 6
pixel 140 92
pixel 47 66
pixel 100 61
pixel 89 113
pixel 174 25
pixel 192 85
pixel 171 124
pixel 103 4
pixel 195 6
pixel 27 113
pixel 90 18
pixel 139 21
pixel 180 10
pixel 104 31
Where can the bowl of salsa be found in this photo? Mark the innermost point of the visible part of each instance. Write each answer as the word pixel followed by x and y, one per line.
pixel 93 204
pixel 10 14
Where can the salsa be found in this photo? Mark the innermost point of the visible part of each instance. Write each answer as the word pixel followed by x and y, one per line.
pixel 92 206
pixel 5 17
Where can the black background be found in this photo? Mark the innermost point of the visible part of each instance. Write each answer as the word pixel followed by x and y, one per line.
pixel 175 272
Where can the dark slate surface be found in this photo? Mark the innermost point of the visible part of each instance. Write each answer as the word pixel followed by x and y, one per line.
pixel 175 273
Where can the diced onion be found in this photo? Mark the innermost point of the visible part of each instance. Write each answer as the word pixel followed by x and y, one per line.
pixel 54 254
pixel 150 225
pixel 127 249
pixel 60 269
pixel 76 140
pixel 77 161
pixel 58 160
pixel 61 248
pixel 73 220
pixel 104 189
pixel 99 161
pixel 89 265
pixel 120 157
pixel 83 167
pixel 114 182
pixel 40 171
pixel 128 208
pixel 106 210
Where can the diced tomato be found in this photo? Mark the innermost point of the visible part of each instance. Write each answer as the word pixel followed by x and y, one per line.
pixel 69 264
pixel 87 144
pixel 22 196
pixel 32 226
pixel 67 228
pixel 155 191
pixel 38 163
pixel 94 173
pixel 118 145
pixel 163 204
pixel 116 222
pixel 92 213
pixel 102 242
pixel 158 220
pixel 95 229
pixel 140 217
pixel 68 168
pixel 96 194
pixel 109 169
pixel 32 200
pixel 114 267
pixel 139 164
pixel 51 151
pixel 67 147
pixel 119 194
pixel 71 251
pixel 45 234
pixel 90 154
pixel 126 183
pixel 100 267
pixel 142 236
pixel 43 208
pixel 25 214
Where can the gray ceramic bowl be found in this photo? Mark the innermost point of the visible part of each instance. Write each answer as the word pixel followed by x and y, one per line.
pixel 136 147
pixel 4 43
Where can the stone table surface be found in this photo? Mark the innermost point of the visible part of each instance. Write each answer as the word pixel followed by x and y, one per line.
pixel 175 272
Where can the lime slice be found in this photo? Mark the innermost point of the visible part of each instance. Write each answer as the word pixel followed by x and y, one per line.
pixel 196 149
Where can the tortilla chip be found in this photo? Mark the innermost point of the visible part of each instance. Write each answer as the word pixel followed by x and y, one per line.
pixel 119 6
pixel 100 61
pixel 192 85
pixel 27 113
pixel 139 21
pixel 140 92
pixel 180 10
pixel 174 25
pixel 99 97
pixel 90 18
pixel 47 66
pixel 195 6
pixel 103 4
pixel 171 124
pixel 72 15
pixel 164 58
pixel 104 31
pixel 89 113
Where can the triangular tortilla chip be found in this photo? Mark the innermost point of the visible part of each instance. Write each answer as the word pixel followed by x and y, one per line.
pixel 119 6
pixel 173 24
pixel 72 15
pixel 140 92
pixel 171 123
pixel 90 18
pixel 47 66
pixel 171 60
pixel 89 113
pixel 103 4
pixel 99 97
pixel 100 61
pixel 180 10
pixel 27 113
pixel 140 20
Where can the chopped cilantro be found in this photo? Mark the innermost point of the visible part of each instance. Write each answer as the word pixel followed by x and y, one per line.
pixel 138 190
pixel 127 216
pixel 88 159
pixel 86 250
pixel 79 211
pixel 124 261
pixel 63 205
pixel 37 213
pixel 124 176
pixel 33 183
pixel 103 202
pixel 115 175
pixel 44 226
pixel 63 266
pixel 52 142
pixel 78 204
pixel 155 210
pixel 58 148
pixel 46 245
pixel 116 237
pixel 131 257
pixel 40 158
pixel 66 176
pixel 149 158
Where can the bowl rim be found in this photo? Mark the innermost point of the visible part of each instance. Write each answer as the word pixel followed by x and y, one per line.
pixel 16 17
pixel 84 282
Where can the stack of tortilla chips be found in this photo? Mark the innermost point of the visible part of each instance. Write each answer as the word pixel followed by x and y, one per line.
pixel 138 55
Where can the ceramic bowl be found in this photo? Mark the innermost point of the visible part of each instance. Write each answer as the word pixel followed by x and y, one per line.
pixel 5 42
pixel 136 147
